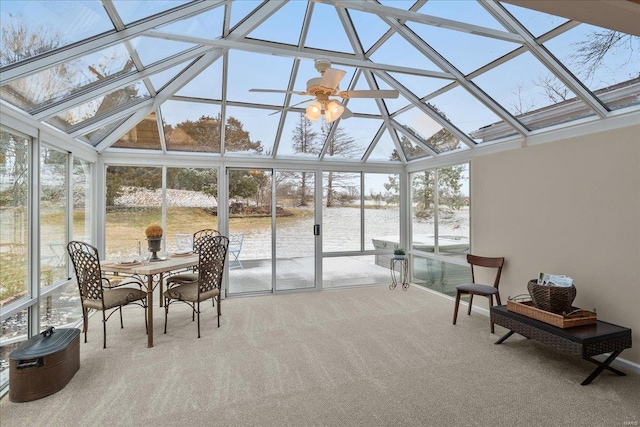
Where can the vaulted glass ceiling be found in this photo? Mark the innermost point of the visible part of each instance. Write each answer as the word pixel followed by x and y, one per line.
pixel 163 76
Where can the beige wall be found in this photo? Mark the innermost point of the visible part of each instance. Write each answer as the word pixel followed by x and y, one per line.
pixel 568 207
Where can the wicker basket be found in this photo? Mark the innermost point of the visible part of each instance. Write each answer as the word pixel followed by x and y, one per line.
pixel 555 299
pixel 578 317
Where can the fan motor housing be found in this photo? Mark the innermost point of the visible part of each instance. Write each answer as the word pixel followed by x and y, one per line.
pixel 314 88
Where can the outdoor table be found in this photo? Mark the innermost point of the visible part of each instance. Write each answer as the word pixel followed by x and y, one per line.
pixel 151 275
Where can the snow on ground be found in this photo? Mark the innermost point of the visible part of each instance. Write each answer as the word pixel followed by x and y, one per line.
pixel 181 198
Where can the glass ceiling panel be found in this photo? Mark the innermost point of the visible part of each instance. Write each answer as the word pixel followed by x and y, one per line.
pixel 361 105
pixel 352 138
pixel 144 135
pixel 478 50
pixel 428 131
pixel 284 26
pixel 94 137
pixel 56 83
pixel 240 9
pixel 419 85
pixel 159 80
pixel 191 126
pixel 606 61
pixel 100 106
pixel 537 23
pixel 385 150
pixel 208 25
pixel 393 104
pixel 250 131
pixel 523 85
pixel 397 50
pixel 326 31
pixel 151 49
pixel 469 12
pixel 207 84
pixel 369 28
pixel 464 110
pixel 411 150
pixel 48 25
pixel 527 89
pixel 131 11
pixel 300 138
pixel 257 71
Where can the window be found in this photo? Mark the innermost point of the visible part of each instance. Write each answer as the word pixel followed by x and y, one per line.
pixel 14 218
pixel 134 202
pixel 82 196
pixel 53 215
pixel 192 202
pixel 440 222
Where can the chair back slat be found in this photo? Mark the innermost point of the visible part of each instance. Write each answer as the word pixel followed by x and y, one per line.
pixel 487 262
pixel 86 264
pixel 212 252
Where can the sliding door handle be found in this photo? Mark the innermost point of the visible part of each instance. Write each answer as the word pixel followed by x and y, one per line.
pixel 316 230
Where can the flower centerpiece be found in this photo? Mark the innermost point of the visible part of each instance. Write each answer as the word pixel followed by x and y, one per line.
pixel 154 239
pixel 398 253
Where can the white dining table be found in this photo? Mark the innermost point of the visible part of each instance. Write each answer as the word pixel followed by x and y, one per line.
pixel 151 274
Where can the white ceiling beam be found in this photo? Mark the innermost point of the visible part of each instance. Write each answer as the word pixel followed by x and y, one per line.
pixel 245 27
pixel 184 78
pixel 439 60
pixel 292 79
pixel 427 109
pixel 421 18
pixel 271 48
pixel 117 83
pixel 399 128
pixel 544 56
pixel 65 54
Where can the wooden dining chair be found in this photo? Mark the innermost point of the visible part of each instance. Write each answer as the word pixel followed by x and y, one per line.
pixel 97 291
pixel 212 253
pixel 474 288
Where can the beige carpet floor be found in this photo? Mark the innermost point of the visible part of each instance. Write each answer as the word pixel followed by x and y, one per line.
pixel 352 357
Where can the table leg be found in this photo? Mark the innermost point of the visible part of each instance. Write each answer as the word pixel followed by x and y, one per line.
pixel 150 309
pixel 602 366
pixel 507 335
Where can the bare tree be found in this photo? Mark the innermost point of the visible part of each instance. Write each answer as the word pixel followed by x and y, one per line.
pixel 20 42
pixel 589 53
pixel 553 88
pixel 521 106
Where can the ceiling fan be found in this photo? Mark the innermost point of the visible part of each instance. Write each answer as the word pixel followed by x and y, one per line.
pixel 326 86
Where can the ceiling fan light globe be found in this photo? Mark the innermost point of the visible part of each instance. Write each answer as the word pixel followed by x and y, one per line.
pixel 313 111
pixel 333 110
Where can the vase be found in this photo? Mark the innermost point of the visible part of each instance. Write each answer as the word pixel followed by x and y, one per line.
pixel 400 256
pixel 154 247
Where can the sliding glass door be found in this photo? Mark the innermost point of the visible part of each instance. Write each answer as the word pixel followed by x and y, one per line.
pixel 272 230
pixel 250 231
pixel 295 230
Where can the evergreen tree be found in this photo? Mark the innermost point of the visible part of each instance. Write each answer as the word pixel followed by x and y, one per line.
pixel 305 140
pixel 343 145
pixel 423 183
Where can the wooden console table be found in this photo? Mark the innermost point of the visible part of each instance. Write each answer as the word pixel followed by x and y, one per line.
pixel 584 341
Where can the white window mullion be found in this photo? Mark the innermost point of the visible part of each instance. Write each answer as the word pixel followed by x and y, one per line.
pixel 33 276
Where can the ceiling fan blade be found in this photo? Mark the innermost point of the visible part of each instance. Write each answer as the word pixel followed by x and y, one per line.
pixel 332 77
pixel 369 94
pixel 277 91
pixel 291 106
pixel 346 114
pixel 302 102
